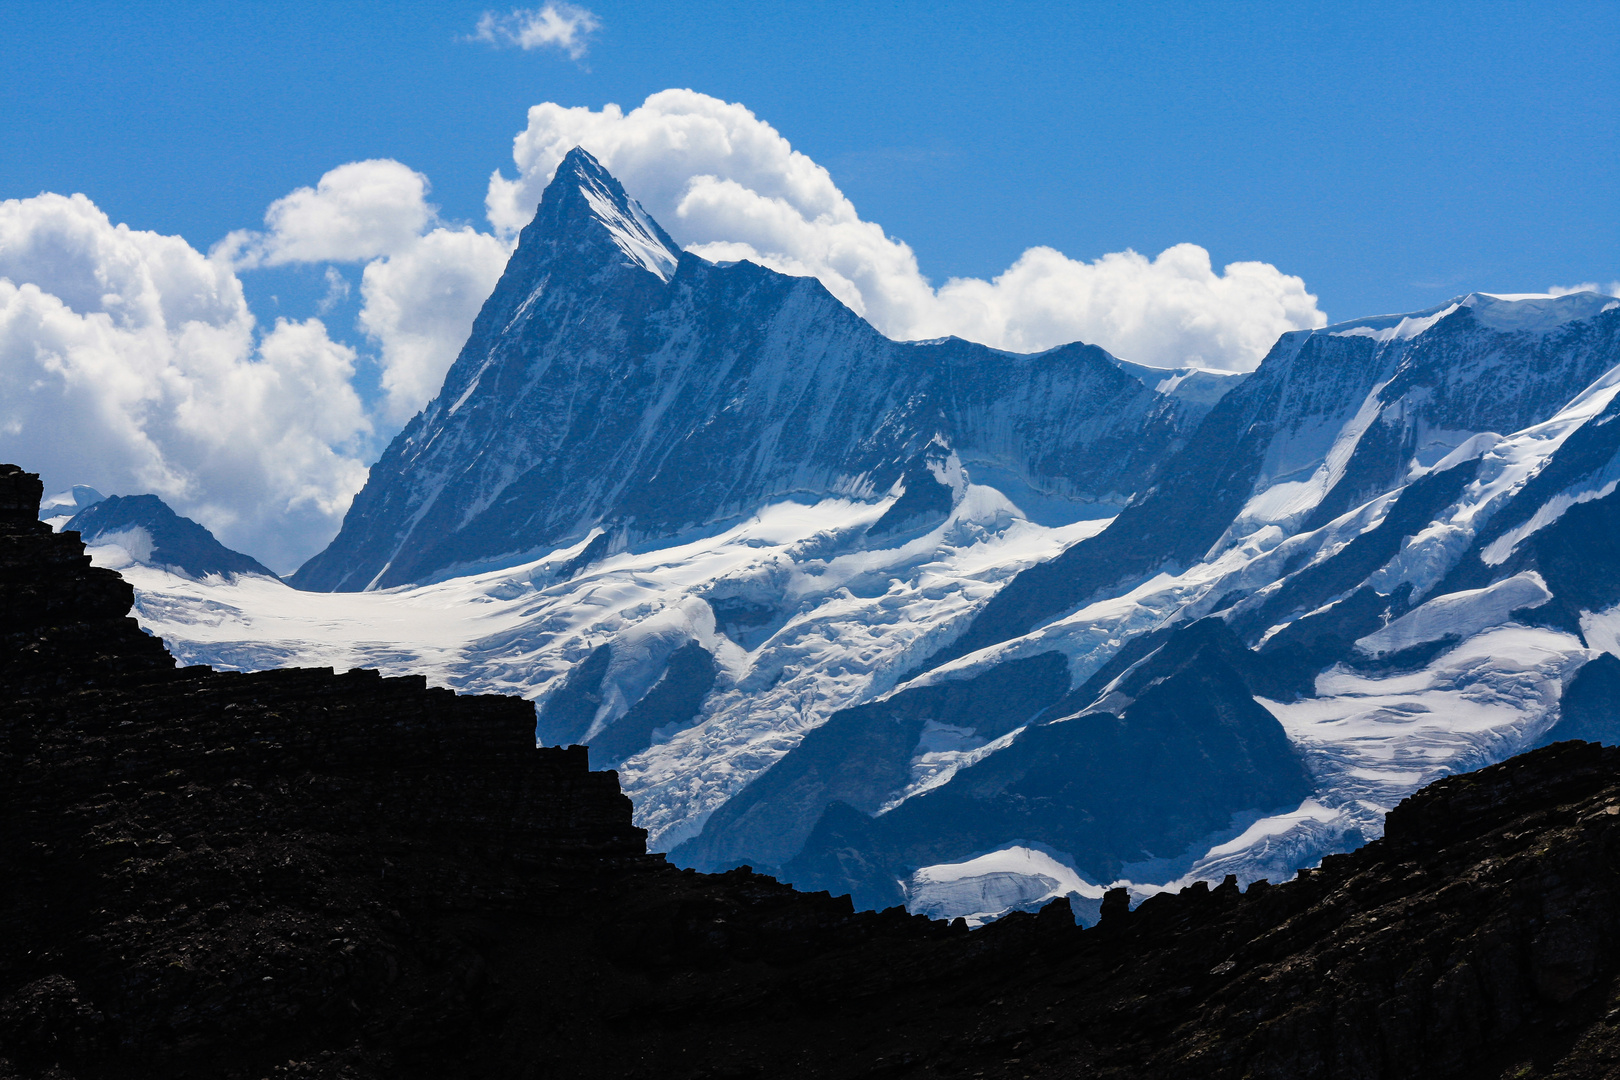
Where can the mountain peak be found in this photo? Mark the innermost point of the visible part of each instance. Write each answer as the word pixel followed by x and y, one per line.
pixel 582 190
pixel 153 534
pixel 581 164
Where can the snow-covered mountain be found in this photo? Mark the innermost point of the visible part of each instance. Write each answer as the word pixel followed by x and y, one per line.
pixel 57 510
pixel 614 382
pixel 1346 543
pixel 1332 419
pixel 150 533
pixel 854 610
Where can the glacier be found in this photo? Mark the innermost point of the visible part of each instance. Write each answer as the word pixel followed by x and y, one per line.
pixel 851 619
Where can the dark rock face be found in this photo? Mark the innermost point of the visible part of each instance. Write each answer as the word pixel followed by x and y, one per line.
pixel 303 874
pixel 612 380
pixel 924 500
pixel 176 542
pixel 1167 757
pixel 1589 709
pixel 64 624
pixel 671 704
pixel 568 713
pixel 860 759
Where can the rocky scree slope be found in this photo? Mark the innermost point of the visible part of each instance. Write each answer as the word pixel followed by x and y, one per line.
pixel 303 874
pixel 613 381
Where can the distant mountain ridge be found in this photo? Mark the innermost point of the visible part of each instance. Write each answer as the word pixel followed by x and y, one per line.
pixel 153 534
pixel 1331 419
pixel 613 381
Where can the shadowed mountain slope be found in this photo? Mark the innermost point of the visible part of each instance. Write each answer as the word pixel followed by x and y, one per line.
pixel 154 534
pixel 612 380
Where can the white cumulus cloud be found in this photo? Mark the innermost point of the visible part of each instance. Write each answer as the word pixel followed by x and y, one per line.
pixel 560 26
pixel 728 186
pixel 419 305
pixel 131 363
pixel 337 290
pixel 1611 289
pixel 357 211
pixel 423 282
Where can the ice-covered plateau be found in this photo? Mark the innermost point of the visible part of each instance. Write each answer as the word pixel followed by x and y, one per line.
pixel 961 629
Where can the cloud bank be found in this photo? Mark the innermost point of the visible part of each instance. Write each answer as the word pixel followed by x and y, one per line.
pixel 131 363
pixel 728 186
pixel 357 211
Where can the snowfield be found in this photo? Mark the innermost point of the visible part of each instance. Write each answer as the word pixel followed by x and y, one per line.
pixel 852 619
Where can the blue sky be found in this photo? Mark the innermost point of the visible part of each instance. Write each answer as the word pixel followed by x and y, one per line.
pixel 1389 154
pixel 1178 183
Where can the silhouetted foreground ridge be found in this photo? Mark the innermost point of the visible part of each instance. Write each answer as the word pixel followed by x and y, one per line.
pixel 303 874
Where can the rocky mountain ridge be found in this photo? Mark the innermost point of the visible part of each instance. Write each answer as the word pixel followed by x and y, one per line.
pixel 1331 420
pixel 613 381
pixel 152 533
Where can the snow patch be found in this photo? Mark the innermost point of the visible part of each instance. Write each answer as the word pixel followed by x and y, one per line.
pixel 1532 313
pixel 126 547
pixel 1497 551
pixel 983 889
pixel 1460 614
pixel 631 230
pixel 1370 741
pixel 943 751
pixel 1409 326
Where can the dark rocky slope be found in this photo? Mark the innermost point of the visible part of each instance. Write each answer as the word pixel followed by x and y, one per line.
pixel 1169 756
pixel 303 874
